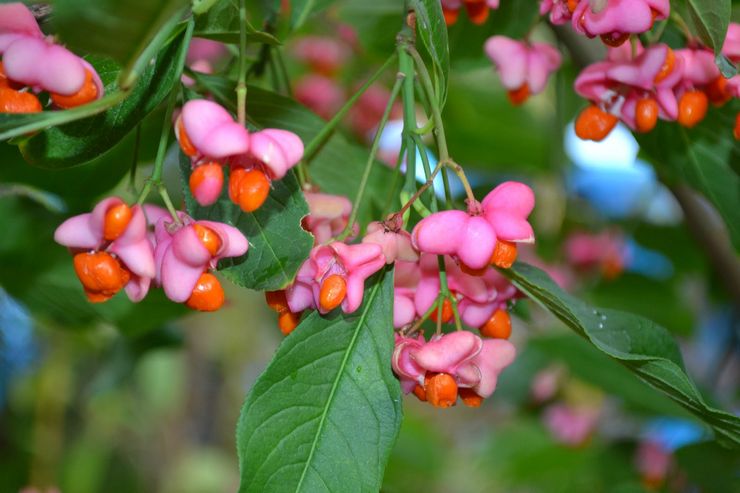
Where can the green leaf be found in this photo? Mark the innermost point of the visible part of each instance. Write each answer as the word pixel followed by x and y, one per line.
pixel 121 29
pixel 326 412
pixel 79 186
pixel 711 18
pixel 640 345
pixel 432 30
pixel 337 169
pixel 221 23
pixel 300 10
pixel 81 141
pixel 702 157
pixel 278 244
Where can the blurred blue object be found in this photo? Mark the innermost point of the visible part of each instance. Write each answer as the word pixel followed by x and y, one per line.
pixel 648 263
pixel 618 185
pixel 674 433
pixel 17 347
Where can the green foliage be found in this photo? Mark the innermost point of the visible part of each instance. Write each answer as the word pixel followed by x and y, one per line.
pixel 326 412
pixel 642 346
pixel 277 243
pixel 432 30
pixel 703 157
pixel 221 23
pixel 302 9
pixel 119 29
pixel 81 141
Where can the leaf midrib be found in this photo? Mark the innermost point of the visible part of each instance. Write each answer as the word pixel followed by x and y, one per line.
pixel 342 366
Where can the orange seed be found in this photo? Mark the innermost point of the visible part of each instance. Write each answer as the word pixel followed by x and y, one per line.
pixel 667 67
pixel 441 390
pixel 101 275
pixel 504 254
pixel 519 96
pixel 333 291
pixel 249 189
pixel 207 295
pixel 288 321
pixel 498 326
pixel 470 398
pixel 204 172
pixel 692 108
pixel 88 92
pixel 116 221
pixel 446 312
pixel 182 137
pixel 276 300
pixel 12 101
pixel 646 114
pixel 209 238
pixel 594 124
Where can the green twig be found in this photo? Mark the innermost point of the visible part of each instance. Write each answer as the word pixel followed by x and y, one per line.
pixel 241 86
pixel 371 160
pixel 318 142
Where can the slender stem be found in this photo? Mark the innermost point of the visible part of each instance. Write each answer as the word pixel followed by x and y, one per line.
pixel 426 81
pixel 156 178
pixel 168 202
pixel 445 290
pixel 371 159
pixel 398 174
pixel 135 160
pixel 439 130
pixel 425 317
pixel 318 142
pixel 283 69
pixel 241 86
pixel 406 66
pixel 428 173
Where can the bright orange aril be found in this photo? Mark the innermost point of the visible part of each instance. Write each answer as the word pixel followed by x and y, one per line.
pixel 116 221
pixel 332 293
pixel 450 15
pixel 288 321
pixel 88 92
pixel 276 300
pixel 504 254
pixel 12 101
pixel 182 137
pixel 646 114
pixel 594 124
pixel 249 189
pixel 441 390
pixel 717 91
pixel 207 295
pixel 202 172
pixel 498 326
pixel 477 11
pixel 208 238
pixel 519 96
pixel 420 393
pixel 667 67
pixel 692 108
pixel 446 312
pixel 470 398
pixel 101 274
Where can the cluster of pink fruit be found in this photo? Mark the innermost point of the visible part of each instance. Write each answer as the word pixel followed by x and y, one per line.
pixel 33 64
pixel 469 243
pixel 634 84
